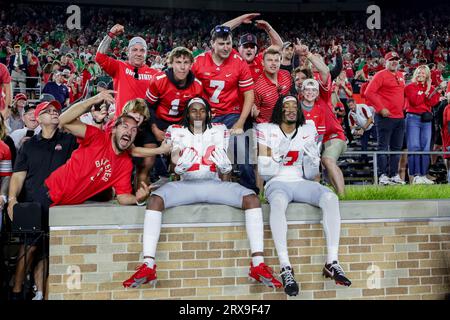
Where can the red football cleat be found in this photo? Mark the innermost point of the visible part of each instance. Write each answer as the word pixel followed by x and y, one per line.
pixel 263 274
pixel 143 275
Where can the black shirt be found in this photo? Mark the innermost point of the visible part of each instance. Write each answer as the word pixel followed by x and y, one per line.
pixel 40 157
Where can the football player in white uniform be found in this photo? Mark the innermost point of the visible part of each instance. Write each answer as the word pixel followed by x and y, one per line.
pixel 199 152
pixel 288 159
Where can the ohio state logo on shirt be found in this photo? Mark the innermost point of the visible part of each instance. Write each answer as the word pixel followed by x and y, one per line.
pixel 104 168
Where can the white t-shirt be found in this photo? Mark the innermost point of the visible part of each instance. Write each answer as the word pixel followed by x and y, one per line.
pixel 17 135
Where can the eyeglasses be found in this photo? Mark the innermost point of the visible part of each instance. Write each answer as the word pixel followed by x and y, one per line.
pixel 222 29
pixel 50 111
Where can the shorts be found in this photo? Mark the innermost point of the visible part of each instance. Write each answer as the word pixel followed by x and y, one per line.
pixel 305 191
pixel 334 148
pixel 178 193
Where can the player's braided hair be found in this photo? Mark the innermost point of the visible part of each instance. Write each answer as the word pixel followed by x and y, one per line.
pixel 185 121
pixel 277 113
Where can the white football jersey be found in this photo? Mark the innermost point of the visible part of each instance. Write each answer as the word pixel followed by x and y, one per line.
pixel 287 150
pixel 203 144
pixel 360 116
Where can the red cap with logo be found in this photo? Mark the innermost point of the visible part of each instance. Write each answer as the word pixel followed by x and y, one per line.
pixel 44 105
pixel 392 56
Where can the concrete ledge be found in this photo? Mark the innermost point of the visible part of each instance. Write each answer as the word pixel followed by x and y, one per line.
pixel 110 214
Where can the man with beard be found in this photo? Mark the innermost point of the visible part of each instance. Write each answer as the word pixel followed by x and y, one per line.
pixel 386 93
pixel 131 78
pixel 288 159
pixel 102 161
pixel 199 153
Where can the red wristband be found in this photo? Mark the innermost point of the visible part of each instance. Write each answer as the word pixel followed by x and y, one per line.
pixel 111 35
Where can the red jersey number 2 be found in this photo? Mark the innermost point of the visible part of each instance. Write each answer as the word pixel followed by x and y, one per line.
pixel 205 160
pixel 291 158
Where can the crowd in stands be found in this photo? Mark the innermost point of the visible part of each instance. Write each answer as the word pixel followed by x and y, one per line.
pixel 119 87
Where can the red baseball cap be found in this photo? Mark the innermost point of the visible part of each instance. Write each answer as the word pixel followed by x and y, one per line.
pixel 20 96
pixel 392 56
pixel 44 105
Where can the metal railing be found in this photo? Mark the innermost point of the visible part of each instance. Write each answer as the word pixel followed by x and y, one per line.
pixel 37 89
pixel 376 153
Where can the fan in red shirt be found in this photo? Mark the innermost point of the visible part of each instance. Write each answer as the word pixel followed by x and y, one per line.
pixel 102 160
pixel 132 78
pixel 248 45
pixel 170 90
pixel 224 75
pixel 270 85
pixel 335 142
pixel 421 96
pixel 386 94
pixel 168 93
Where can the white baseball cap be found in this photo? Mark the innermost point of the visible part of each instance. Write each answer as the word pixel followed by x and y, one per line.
pixel 310 84
pixel 137 40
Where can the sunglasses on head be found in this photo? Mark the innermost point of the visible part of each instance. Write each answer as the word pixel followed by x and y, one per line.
pixel 222 29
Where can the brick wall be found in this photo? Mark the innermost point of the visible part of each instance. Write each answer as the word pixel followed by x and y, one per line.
pixel 212 262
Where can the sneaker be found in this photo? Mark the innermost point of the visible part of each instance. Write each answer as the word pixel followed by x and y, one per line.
pixel 143 275
pixel 385 180
pixel 418 180
pixel 335 272
pixel 426 180
pixel 262 273
pixel 289 283
pixel 397 180
pixel 38 296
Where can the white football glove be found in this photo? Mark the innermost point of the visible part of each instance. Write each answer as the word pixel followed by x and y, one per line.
pixel 185 162
pixel 220 159
pixel 281 151
pixel 312 152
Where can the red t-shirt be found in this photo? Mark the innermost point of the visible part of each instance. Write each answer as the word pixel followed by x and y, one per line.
pixel 333 129
pixel 92 168
pixel 5 78
pixel 172 101
pixel 267 93
pixel 5 160
pixel 417 102
pixel 445 132
pixel 222 84
pixel 316 115
pixel 387 90
pixel 126 86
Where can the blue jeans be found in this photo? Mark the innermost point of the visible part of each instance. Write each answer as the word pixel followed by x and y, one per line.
pixel 418 138
pixel 390 134
pixel 365 140
pixel 247 174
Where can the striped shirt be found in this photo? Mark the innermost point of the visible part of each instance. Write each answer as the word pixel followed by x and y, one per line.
pixel 267 93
